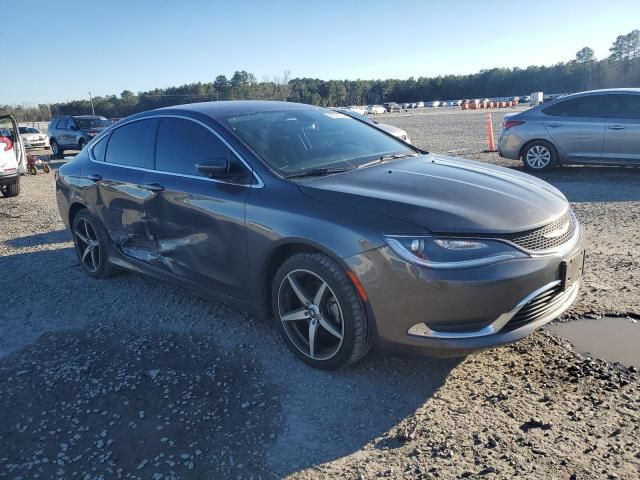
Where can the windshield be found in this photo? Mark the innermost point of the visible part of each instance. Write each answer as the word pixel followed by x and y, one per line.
pixel 85 123
pixel 28 130
pixel 294 141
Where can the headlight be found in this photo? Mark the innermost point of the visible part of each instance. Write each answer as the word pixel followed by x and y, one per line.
pixel 450 253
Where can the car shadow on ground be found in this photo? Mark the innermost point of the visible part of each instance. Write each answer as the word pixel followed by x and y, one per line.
pixel 58 236
pixel 80 347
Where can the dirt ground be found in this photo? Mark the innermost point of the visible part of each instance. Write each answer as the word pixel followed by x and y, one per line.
pixel 132 378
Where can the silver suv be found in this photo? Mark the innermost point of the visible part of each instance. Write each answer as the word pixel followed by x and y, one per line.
pixel 596 127
pixel 74 132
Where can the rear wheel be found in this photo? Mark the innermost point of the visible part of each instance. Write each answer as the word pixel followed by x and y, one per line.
pixel 12 190
pixel 56 150
pixel 539 156
pixel 319 313
pixel 92 244
pixel 46 169
pixel 33 170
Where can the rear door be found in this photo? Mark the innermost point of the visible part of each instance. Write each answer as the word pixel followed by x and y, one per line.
pixel 198 222
pixel 9 128
pixel 117 169
pixel 64 132
pixel 622 129
pixel 576 126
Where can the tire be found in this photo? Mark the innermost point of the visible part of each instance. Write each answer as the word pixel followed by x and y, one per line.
pixel 46 169
pixel 12 190
pixel 82 143
pixel 33 170
pixel 334 311
pixel 56 150
pixel 539 156
pixel 95 264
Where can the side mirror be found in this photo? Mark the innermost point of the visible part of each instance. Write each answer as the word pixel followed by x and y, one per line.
pixel 214 168
pixel 73 127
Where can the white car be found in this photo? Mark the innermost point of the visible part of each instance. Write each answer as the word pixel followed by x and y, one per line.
pixel 435 103
pixel 375 109
pixel 11 157
pixel 420 105
pixel 395 131
pixel 357 109
pixel 32 138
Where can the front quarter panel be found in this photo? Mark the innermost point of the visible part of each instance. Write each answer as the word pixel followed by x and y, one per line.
pixel 280 214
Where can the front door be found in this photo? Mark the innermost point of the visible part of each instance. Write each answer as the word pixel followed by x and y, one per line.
pixel 9 126
pixel 197 222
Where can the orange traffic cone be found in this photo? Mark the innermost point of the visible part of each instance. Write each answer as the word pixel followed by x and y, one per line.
pixel 490 144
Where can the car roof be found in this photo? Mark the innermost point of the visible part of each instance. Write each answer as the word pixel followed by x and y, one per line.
pixel 603 90
pixel 223 108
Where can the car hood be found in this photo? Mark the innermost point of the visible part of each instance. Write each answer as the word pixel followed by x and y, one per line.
pixel 445 195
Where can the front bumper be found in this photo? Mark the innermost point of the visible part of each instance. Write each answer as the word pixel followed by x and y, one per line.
pixel 9 179
pixel 421 311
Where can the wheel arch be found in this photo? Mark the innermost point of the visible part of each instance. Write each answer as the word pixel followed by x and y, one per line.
pixel 277 256
pixel 74 209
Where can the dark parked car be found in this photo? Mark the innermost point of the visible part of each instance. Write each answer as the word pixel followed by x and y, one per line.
pixel 597 127
pixel 392 107
pixel 74 132
pixel 347 236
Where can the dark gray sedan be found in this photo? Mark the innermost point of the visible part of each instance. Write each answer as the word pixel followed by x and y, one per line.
pixel 597 127
pixel 345 235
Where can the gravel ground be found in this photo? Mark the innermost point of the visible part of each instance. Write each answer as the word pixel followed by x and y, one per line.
pixel 131 378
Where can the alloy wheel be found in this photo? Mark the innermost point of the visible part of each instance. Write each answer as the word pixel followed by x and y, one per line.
pixel 311 314
pixel 87 245
pixel 538 157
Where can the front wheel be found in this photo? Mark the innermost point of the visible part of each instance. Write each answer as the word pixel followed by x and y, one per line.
pixel 12 190
pixel 319 313
pixel 539 156
pixel 82 143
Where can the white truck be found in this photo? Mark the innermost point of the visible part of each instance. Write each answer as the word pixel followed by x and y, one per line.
pixel 12 157
pixel 537 98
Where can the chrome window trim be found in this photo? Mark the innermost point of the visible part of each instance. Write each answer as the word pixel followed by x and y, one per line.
pixel 96 139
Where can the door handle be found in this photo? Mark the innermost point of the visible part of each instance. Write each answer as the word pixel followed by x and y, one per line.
pixel 616 127
pixel 154 187
pixel 554 124
pixel 95 177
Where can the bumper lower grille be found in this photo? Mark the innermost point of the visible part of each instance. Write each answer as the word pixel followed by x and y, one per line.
pixel 537 307
pixel 548 237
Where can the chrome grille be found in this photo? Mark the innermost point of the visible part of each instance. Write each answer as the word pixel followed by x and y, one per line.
pixel 548 237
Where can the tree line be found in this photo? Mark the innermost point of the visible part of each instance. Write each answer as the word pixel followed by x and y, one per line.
pixel 620 69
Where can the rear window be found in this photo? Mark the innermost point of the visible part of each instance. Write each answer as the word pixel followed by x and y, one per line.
pixel 133 144
pixel 100 149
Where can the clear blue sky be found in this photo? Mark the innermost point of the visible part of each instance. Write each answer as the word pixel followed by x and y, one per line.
pixel 112 45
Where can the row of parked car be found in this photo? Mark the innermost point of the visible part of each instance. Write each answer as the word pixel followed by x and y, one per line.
pixel 390 107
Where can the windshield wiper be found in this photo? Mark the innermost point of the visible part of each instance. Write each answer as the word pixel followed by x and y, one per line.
pixel 318 172
pixel 384 158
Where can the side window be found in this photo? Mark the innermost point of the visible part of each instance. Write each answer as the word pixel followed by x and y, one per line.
pixel 589 106
pixel 62 123
pixel 100 149
pixel 133 144
pixel 183 143
pixel 625 106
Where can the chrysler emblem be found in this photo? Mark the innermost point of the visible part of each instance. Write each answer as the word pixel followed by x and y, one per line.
pixel 559 232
